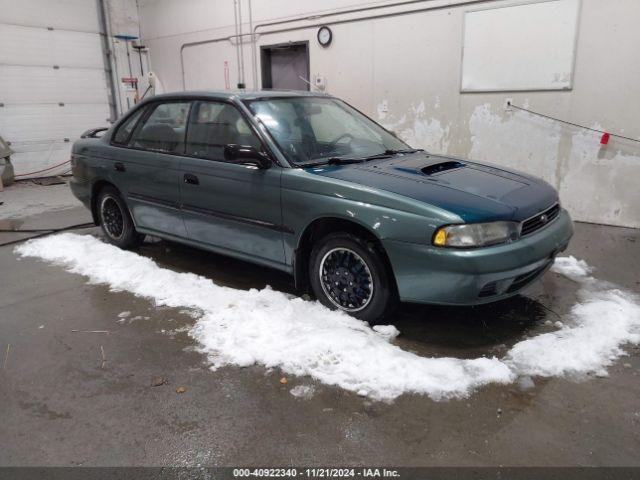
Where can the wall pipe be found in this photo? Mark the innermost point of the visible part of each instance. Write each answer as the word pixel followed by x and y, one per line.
pixel 235 20
pixel 241 83
pixel 254 62
pixel 230 38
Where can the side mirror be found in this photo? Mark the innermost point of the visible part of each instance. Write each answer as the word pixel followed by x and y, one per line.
pixel 247 155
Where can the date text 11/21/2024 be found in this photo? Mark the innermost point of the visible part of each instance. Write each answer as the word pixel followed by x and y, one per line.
pixel 316 473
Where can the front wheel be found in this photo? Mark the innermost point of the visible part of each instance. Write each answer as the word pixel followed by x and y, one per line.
pixel 347 273
pixel 117 224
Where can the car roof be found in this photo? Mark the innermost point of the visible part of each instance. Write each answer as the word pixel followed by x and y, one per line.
pixel 240 94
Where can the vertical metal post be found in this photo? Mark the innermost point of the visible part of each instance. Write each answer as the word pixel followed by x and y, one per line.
pixel 106 54
pixel 254 63
pixel 242 83
pixel 235 18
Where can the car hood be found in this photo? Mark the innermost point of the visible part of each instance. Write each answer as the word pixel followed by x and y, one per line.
pixel 473 191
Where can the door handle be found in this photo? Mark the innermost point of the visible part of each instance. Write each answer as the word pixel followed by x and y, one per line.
pixel 191 179
pixel 119 166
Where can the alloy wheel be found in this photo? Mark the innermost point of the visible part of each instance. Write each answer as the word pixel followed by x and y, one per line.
pixel 112 217
pixel 346 279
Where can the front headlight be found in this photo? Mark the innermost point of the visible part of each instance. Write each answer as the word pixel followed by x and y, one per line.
pixel 476 234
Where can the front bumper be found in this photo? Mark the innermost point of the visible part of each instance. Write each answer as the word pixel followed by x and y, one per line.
pixel 428 274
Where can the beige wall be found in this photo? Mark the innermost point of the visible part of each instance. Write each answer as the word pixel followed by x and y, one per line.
pixel 404 70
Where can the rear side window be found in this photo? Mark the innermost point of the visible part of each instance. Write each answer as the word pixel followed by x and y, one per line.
pixel 124 132
pixel 212 126
pixel 164 129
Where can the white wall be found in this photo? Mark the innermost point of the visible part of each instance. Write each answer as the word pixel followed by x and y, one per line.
pixel 405 70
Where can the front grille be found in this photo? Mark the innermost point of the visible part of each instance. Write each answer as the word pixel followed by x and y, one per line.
pixel 539 220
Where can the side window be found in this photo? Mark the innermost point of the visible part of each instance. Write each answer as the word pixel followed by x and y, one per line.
pixel 164 129
pixel 124 132
pixel 213 125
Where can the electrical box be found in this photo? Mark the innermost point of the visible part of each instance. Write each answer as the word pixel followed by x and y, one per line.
pixel 320 82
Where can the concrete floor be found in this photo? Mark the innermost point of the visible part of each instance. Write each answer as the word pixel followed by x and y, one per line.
pixel 25 198
pixel 62 406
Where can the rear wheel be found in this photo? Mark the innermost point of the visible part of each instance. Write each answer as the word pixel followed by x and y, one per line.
pixel 347 273
pixel 115 220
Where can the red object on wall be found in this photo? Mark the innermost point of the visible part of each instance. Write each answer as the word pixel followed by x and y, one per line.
pixel 605 139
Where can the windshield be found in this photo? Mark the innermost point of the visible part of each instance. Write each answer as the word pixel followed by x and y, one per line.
pixel 312 130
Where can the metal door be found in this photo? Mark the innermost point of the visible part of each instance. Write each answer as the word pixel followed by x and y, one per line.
pixel 286 67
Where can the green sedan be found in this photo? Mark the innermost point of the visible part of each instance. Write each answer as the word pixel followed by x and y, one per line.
pixel 305 183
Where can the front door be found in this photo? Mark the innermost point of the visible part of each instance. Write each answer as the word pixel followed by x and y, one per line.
pixel 233 207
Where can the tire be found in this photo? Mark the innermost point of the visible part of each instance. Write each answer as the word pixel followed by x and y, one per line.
pixel 115 220
pixel 366 289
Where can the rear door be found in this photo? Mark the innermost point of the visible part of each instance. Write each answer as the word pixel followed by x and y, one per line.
pixel 227 205
pixel 146 165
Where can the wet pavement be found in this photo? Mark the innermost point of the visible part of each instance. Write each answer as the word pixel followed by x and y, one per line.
pixel 83 398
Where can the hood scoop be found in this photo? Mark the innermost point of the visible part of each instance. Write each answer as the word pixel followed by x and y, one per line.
pixel 441 167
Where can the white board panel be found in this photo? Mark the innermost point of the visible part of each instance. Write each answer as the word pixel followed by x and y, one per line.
pixel 520 47
pixel 204 66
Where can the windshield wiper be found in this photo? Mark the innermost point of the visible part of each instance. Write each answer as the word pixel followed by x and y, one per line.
pixel 343 161
pixel 406 150
pixel 389 153
pixel 333 161
pixel 377 156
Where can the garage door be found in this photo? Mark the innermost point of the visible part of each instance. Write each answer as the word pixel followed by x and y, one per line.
pixel 52 80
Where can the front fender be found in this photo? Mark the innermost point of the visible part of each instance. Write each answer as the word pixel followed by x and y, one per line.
pixel 307 197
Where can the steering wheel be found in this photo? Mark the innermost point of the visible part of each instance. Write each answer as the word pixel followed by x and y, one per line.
pixel 344 135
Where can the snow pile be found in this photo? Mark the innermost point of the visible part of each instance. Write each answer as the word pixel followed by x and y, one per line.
pixel 591 338
pixel 570 267
pixel 266 327
pixel 270 328
pixel 388 331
